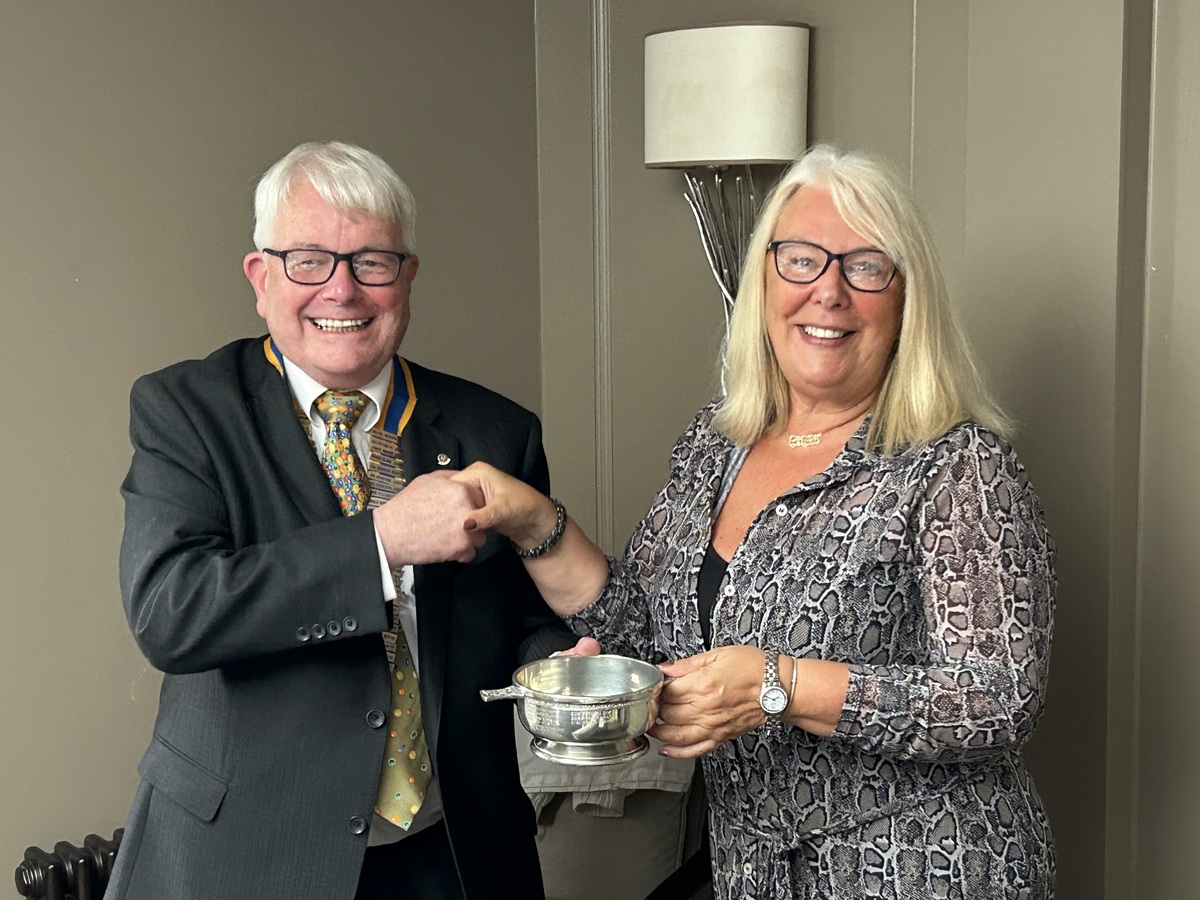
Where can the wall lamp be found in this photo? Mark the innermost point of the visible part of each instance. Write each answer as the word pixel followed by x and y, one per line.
pixel 719 96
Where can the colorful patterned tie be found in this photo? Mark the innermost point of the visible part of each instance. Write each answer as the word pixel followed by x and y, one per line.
pixel 340 411
pixel 406 770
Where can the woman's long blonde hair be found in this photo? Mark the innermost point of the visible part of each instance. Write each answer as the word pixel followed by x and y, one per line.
pixel 931 382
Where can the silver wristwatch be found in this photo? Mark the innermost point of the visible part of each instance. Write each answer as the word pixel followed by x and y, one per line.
pixel 772 698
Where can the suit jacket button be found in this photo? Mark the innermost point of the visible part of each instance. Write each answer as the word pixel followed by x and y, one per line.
pixel 318 631
pixel 357 824
pixel 302 634
pixel 350 623
pixel 335 627
pixel 375 718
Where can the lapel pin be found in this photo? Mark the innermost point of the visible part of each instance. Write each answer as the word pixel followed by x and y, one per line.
pixel 443 459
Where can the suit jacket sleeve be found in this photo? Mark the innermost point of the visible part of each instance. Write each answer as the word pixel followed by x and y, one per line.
pixel 216 565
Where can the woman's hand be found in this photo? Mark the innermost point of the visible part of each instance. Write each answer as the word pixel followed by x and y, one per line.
pixel 572 573
pixel 712 698
pixel 509 506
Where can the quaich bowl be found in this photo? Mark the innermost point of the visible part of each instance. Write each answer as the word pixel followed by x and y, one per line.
pixel 585 710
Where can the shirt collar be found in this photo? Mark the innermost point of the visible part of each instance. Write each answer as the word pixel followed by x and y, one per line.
pixel 305 391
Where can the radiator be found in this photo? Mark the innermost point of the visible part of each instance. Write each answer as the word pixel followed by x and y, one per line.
pixel 70 872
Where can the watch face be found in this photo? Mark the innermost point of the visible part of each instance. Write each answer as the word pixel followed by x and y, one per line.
pixel 774 700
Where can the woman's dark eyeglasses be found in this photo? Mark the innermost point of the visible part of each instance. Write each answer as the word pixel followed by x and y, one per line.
pixel 803 263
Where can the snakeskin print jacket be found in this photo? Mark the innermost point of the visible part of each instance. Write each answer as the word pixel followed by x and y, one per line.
pixel 931 574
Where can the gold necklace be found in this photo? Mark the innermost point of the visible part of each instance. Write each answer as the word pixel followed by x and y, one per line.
pixel 804 440
pixel 799 441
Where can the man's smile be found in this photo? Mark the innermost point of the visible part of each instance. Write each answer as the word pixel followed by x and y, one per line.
pixel 342 325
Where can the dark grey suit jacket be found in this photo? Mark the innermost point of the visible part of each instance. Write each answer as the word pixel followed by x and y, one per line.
pixel 263 606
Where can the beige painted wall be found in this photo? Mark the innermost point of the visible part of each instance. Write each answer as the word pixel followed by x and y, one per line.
pixel 1043 141
pixel 131 135
pixel 1167 796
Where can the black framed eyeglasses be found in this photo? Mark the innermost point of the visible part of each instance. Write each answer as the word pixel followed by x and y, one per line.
pixel 800 262
pixel 374 268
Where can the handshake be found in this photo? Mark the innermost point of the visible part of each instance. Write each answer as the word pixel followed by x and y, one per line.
pixel 445 516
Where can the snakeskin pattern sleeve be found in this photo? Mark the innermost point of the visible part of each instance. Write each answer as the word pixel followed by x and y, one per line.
pixel 983 565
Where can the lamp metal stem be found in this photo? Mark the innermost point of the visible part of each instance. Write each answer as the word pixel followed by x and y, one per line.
pixel 724 210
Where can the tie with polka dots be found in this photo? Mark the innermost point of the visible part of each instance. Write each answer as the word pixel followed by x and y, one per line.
pixel 406 770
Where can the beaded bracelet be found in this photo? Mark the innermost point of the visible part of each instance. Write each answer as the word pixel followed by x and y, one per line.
pixel 555 535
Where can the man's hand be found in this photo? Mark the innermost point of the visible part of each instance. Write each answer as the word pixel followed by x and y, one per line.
pixel 424 522
pixel 585 647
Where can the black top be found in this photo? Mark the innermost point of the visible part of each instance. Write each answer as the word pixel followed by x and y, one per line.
pixel 712 570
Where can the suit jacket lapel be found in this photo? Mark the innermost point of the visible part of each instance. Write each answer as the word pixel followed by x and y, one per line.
pixel 274 413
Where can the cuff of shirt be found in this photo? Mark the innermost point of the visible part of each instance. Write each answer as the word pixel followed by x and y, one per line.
pixel 389 586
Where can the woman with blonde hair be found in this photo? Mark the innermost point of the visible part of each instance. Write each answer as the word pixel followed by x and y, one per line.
pixel 848 570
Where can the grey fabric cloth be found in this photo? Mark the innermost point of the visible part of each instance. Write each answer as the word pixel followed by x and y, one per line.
pixel 598 790
pixel 263 606
pixel 931 574
pixel 638 812
pixel 588 857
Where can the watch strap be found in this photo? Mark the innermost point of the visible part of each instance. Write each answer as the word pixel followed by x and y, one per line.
pixel 772 686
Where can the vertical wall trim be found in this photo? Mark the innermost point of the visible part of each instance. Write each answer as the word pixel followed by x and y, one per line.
pixel 1134 218
pixel 601 132
pixel 912 102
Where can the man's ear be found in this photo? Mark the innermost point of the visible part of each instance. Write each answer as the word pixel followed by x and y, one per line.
pixel 255 268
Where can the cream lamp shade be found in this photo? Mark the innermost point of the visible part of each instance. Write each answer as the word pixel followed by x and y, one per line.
pixel 727 95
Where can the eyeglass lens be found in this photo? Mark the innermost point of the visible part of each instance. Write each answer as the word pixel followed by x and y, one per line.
pixel 803 263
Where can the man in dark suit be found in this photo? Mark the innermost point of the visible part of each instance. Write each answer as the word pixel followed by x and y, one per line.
pixel 251 582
